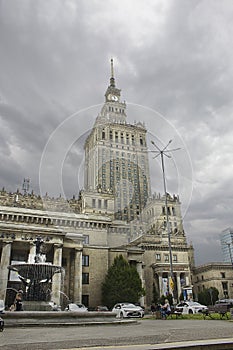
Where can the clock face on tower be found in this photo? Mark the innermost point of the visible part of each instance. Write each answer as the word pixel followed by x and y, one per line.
pixel 112 97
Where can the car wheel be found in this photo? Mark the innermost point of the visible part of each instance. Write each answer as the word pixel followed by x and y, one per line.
pixel 190 311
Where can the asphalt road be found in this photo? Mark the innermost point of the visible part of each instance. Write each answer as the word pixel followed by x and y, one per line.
pixel 146 331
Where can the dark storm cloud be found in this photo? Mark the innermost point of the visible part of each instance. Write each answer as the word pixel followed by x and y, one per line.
pixel 173 57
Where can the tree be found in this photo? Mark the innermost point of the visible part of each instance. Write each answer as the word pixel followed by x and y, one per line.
pixel 208 296
pixel 122 283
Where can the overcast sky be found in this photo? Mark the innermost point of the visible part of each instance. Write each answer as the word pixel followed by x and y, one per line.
pixel 173 62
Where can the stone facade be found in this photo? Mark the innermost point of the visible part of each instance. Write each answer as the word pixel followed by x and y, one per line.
pixel 114 214
pixel 218 275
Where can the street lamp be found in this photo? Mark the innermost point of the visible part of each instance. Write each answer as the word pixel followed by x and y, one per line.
pixel 163 152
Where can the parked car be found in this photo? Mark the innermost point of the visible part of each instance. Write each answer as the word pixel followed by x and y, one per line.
pixel 76 307
pixel 54 306
pixel 2 306
pixel 228 302
pixel 190 307
pixel 1 324
pixel 101 308
pixel 124 310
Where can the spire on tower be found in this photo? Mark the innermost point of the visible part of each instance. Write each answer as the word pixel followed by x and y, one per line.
pixel 112 79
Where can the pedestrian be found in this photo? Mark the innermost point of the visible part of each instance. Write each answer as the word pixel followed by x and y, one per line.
pixel 152 309
pixel 18 300
pixel 165 309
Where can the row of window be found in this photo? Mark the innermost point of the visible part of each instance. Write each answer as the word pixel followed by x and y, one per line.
pixel 166 257
pixel 223 275
pixel 99 203
pixel 85 275
pixel 118 110
pixel 122 138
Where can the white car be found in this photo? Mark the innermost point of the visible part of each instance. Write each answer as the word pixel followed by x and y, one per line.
pixel 190 307
pixel 76 307
pixel 124 310
pixel 2 306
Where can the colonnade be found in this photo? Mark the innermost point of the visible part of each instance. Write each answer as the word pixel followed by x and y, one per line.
pixel 177 276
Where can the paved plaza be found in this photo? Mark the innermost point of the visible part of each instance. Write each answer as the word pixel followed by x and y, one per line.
pixel 144 334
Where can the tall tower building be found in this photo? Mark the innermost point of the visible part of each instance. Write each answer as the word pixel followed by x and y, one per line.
pixel 116 157
pixel 226 240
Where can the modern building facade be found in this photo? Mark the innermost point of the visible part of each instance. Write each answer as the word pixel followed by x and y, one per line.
pixel 226 240
pixel 114 214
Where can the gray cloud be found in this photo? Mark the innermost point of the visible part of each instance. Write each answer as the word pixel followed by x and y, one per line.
pixel 173 57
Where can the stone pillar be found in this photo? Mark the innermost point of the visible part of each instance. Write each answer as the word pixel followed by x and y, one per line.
pixel 56 280
pixel 4 272
pixel 178 286
pixel 140 272
pixel 186 280
pixel 32 253
pixel 160 284
pixel 78 277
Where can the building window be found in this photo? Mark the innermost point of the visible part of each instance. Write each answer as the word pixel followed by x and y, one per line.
pixel 223 275
pixel 85 260
pixel 166 257
pixel 85 300
pixel 85 278
pixel 93 203
pixel 158 257
pixel 225 289
pixel 175 258
pixel 86 239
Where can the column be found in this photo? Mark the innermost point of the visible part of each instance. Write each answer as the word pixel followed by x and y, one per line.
pixel 78 277
pixel 32 253
pixel 160 284
pixel 178 286
pixel 4 272
pixel 56 280
pixel 140 272
pixel 187 280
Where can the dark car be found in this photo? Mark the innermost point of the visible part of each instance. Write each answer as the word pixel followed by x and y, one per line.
pixel 1 324
pixel 228 302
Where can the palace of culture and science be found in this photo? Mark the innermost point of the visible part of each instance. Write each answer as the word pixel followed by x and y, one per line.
pixel 114 214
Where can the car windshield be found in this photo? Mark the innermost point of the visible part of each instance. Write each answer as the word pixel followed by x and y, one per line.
pixel 129 305
pixel 194 303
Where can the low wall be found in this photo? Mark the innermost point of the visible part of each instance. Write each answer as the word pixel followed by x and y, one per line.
pixel 63 318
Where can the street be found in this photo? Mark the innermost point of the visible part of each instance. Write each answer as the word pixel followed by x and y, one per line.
pixel 146 331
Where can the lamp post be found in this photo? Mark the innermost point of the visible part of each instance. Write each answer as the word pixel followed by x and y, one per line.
pixel 163 152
